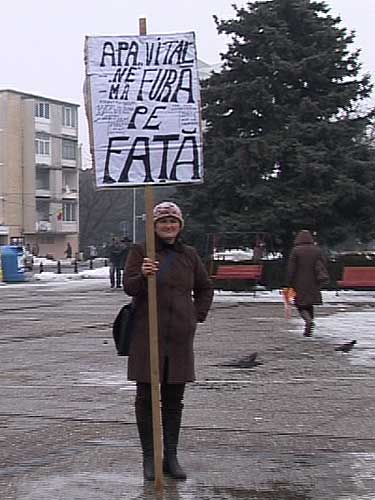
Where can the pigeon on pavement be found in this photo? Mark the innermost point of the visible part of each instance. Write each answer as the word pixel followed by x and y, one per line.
pixel 245 362
pixel 348 346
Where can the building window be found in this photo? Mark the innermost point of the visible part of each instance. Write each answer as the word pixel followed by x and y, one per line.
pixel 69 117
pixel 42 210
pixel 42 145
pixel 69 182
pixel 69 150
pixel 42 110
pixel 69 212
pixel 42 179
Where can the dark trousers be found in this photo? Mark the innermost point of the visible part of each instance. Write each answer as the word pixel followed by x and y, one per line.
pixel 309 309
pixel 115 275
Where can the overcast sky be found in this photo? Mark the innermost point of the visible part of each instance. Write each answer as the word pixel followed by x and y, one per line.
pixel 41 41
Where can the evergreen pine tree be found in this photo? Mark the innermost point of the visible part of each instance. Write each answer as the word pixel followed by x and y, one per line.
pixel 287 129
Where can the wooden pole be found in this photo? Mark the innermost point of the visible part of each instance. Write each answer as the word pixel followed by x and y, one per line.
pixel 153 339
pixel 88 107
pixel 134 213
pixel 153 327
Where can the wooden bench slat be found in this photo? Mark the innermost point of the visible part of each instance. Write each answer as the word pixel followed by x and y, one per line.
pixel 356 283
pixel 357 277
pixel 253 272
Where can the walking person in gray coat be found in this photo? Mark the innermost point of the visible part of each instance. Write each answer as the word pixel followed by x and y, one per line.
pixel 306 274
pixel 184 297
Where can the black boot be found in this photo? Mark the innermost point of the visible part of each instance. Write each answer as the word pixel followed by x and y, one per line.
pixel 148 467
pixel 118 279
pixel 309 324
pixel 144 424
pixel 171 431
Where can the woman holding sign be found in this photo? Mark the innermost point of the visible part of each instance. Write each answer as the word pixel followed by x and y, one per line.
pixel 184 297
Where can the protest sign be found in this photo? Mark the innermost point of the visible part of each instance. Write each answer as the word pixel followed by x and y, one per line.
pixel 144 109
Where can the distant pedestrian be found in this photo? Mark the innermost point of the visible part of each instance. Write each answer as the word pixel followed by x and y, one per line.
pixel 307 273
pixel 258 252
pixel 115 255
pixel 93 253
pixel 35 250
pixel 69 251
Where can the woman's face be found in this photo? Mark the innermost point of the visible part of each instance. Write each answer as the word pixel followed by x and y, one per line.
pixel 168 228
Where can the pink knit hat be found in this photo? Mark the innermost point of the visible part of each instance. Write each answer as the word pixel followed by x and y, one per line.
pixel 168 209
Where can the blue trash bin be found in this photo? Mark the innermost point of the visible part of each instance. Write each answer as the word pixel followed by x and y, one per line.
pixel 12 263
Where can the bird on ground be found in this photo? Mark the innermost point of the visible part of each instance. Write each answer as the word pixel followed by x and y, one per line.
pixel 348 346
pixel 250 359
pixel 245 362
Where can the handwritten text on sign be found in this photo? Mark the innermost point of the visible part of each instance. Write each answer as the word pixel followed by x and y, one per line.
pixel 145 108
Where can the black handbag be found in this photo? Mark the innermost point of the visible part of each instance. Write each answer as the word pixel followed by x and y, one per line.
pixel 122 329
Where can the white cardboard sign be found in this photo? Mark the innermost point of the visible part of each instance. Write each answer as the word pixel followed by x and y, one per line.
pixel 143 105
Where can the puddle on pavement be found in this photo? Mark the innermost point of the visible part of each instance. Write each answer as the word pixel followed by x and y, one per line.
pixel 36 463
pixel 221 385
pixel 336 476
pixel 110 486
pixel 110 443
pixel 276 491
pixel 106 379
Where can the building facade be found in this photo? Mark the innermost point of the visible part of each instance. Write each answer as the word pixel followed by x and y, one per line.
pixel 39 163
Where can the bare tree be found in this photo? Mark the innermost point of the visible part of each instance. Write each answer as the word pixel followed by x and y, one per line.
pixel 103 213
pixel 108 213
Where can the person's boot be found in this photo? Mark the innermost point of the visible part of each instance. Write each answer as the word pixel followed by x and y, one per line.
pixel 118 279
pixel 144 424
pixel 171 431
pixel 309 324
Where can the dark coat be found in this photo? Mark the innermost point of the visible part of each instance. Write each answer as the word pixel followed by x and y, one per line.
pixel 184 297
pixel 116 254
pixel 305 262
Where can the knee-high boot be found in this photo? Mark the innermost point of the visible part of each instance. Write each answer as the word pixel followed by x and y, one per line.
pixel 171 430
pixel 143 415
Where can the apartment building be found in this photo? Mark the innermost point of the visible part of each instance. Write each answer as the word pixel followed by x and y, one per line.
pixel 39 164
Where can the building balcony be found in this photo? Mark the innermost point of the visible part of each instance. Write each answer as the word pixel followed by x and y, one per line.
pixel 67 227
pixel 42 192
pixel 43 226
pixel 43 160
pixel 57 227
pixel 69 131
pixel 4 230
pixel 69 163
pixel 69 193
pixel 42 124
